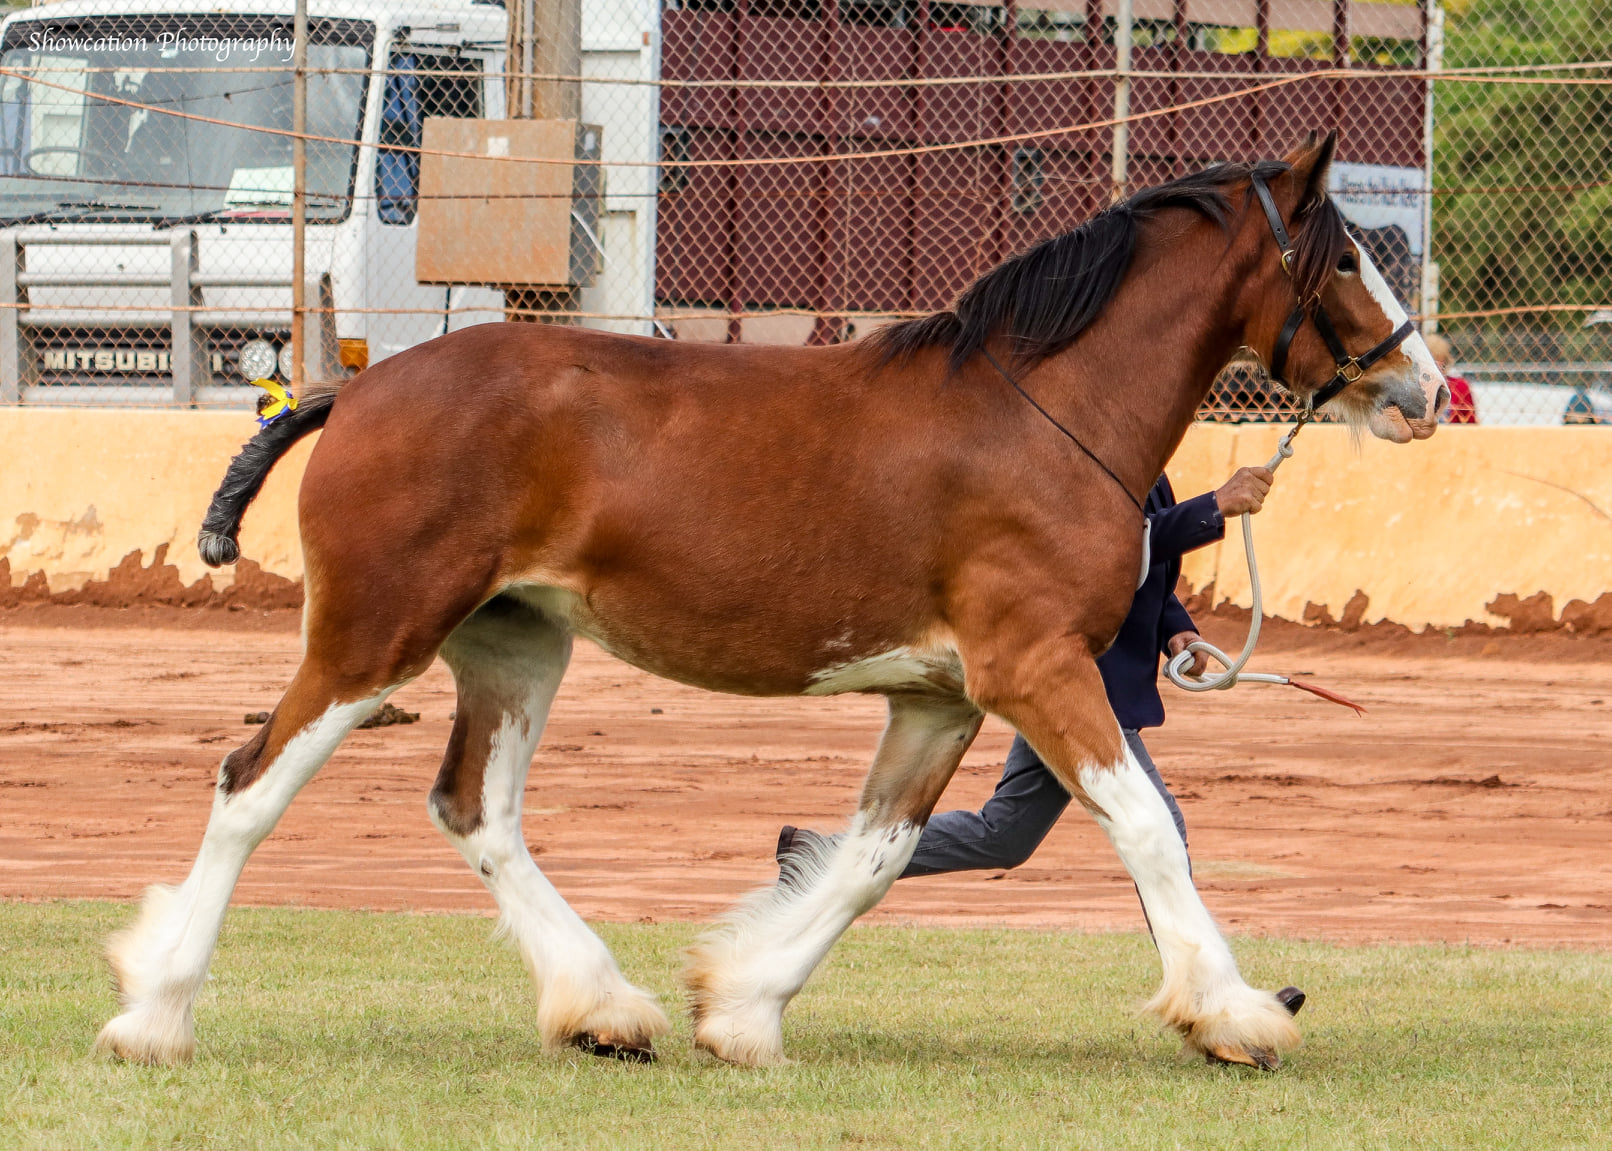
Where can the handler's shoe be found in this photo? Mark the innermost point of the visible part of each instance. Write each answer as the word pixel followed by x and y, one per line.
pixel 792 843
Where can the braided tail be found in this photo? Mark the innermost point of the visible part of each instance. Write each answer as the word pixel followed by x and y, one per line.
pixel 249 470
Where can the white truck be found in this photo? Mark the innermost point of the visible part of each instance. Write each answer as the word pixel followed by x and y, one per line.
pixel 147 258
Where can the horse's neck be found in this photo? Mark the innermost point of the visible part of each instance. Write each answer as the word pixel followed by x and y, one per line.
pixel 1136 377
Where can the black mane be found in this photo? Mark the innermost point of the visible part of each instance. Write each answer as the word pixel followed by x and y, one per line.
pixel 1044 297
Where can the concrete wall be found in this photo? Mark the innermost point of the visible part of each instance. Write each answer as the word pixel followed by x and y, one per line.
pixel 1429 534
pixel 81 489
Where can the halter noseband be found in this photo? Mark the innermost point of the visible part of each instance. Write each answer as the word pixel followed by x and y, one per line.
pixel 1350 368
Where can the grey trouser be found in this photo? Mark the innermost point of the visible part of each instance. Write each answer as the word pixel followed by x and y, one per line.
pixel 1014 821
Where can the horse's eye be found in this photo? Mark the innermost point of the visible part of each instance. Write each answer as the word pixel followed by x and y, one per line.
pixel 1347 264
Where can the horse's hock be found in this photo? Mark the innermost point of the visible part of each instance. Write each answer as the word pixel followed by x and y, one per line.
pixel 1505 527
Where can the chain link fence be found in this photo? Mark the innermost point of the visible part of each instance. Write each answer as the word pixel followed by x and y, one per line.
pixel 783 171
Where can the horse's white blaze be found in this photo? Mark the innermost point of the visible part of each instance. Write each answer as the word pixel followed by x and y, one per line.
pixel 748 970
pixel 580 988
pixel 161 961
pixel 1428 377
pixel 1202 994
pixel 902 667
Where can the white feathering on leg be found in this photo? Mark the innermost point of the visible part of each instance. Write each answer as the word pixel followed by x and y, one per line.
pixel 1203 996
pixel 743 974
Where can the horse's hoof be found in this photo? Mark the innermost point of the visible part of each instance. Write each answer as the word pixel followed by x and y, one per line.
pixel 626 1053
pixel 1245 1057
pixel 153 1038
pixel 1291 998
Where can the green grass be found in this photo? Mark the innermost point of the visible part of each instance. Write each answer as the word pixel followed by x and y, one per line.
pixel 334 1030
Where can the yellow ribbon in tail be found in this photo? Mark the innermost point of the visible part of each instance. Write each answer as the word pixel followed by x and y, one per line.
pixel 276 401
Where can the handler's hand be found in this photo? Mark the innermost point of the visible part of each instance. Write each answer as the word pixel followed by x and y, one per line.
pixel 1178 644
pixel 1244 492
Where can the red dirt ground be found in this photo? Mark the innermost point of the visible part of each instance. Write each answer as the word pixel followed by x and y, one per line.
pixel 1473 802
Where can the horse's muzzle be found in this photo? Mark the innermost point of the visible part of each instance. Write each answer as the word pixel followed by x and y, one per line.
pixel 1407 408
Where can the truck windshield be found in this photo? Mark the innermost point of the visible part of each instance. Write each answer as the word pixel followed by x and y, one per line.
pixel 86 130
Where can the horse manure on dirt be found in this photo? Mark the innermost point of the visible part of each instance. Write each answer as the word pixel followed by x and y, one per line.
pixel 385 717
pixel 389 715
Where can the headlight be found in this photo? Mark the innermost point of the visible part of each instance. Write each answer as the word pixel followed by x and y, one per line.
pixel 258 359
pixel 286 361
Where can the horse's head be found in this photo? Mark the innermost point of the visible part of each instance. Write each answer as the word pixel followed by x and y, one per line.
pixel 1326 323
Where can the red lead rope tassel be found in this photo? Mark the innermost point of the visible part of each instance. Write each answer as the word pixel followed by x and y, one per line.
pixel 1329 696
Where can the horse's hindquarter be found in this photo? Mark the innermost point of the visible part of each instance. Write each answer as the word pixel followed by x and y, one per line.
pixel 755 520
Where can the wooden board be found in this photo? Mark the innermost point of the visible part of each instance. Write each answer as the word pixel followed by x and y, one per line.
pixel 492 221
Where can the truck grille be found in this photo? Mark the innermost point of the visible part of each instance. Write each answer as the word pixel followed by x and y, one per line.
pixel 102 357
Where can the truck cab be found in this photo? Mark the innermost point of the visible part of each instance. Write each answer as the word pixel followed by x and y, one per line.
pixel 147 258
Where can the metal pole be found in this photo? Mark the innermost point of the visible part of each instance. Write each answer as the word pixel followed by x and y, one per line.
pixel 557 52
pixel 651 178
pixel 185 360
pixel 1122 95
pixel 299 195
pixel 528 55
pixel 11 256
pixel 1433 14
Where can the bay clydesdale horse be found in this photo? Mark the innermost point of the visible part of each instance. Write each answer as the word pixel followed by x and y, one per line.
pixel 888 516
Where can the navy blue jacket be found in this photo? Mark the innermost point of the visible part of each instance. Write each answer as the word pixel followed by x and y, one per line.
pixel 1130 668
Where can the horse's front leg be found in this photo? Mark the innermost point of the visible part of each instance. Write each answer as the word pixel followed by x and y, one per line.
pixel 743 975
pixel 1052 693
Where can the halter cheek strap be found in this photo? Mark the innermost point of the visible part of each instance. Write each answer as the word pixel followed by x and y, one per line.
pixel 1350 368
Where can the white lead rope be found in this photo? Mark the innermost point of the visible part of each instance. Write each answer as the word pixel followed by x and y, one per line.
pixel 1175 668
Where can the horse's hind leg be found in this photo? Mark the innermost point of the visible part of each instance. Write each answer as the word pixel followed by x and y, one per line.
pixel 743 975
pixel 161 961
pixel 507 662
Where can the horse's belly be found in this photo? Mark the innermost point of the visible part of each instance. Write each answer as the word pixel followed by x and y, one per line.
pixel 748 660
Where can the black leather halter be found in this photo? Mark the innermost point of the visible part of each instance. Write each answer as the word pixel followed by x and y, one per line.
pixel 1350 368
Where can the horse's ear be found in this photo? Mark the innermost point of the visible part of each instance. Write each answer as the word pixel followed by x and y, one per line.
pixel 1310 163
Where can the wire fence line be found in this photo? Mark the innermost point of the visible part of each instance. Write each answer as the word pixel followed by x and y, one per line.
pixel 31 77
pixel 795 171
pixel 1514 74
